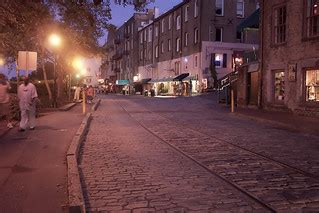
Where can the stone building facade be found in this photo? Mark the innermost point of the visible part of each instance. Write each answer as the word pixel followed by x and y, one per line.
pixel 122 47
pixel 290 55
pixel 184 40
pixel 191 36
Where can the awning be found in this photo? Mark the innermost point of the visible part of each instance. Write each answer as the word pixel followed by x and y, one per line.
pixel 122 82
pixel 188 78
pixel 181 77
pixel 166 79
pixel 251 21
pixel 145 81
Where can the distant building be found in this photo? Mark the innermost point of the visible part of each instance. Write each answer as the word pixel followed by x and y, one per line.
pixel 181 44
pixel 92 71
pixel 177 49
pixel 122 47
pixel 248 76
pixel 290 55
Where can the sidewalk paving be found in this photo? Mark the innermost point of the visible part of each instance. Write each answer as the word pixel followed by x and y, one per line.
pixel 33 173
pixel 287 120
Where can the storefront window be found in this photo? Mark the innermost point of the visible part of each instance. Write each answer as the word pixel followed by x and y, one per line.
pixel 312 85
pixel 279 86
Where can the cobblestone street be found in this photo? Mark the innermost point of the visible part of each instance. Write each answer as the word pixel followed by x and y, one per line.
pixel 191 155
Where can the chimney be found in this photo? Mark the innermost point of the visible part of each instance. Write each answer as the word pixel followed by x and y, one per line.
pixel 157 12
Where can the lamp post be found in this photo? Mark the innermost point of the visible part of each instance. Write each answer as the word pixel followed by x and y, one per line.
pixel 55 41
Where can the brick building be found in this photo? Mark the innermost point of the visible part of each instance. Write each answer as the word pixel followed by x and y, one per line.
pixel 188 38
pixel 290 55
pixel 122 47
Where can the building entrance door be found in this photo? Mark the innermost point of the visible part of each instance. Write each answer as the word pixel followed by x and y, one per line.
pixel 252 88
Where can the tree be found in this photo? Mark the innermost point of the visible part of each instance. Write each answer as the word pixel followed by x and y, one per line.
pixel 213 72
pixel 25 25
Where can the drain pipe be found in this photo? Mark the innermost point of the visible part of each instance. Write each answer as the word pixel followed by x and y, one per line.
pixel 261 54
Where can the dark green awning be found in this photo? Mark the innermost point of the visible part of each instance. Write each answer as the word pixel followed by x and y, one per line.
pixel 181 77
pixel 251 21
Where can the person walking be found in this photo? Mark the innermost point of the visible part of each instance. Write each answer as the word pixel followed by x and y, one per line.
pixel 77 94
pixel 27 94
pixel 5 100
pixel 90 94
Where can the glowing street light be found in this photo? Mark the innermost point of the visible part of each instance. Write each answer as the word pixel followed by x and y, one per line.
pixel 55 40
pixel 83 71
pixel 77 76
pixel 1 61
pixel 77 63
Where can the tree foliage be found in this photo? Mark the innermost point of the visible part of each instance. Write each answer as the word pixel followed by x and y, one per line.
pixel 26 25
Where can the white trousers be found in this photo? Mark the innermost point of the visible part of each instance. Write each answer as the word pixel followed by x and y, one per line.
pixel 27 118
pixel 76 96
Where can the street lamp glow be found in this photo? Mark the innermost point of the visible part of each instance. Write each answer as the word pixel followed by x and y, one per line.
pixel 77 76
pixel 83 71
pixel 55 40
pixel 77 63
pixel 1 61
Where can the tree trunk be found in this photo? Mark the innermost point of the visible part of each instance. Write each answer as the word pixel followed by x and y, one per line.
pixel 46 80
pixel 60 84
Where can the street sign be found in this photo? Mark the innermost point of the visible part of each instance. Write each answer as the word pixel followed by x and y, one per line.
pixel 27 61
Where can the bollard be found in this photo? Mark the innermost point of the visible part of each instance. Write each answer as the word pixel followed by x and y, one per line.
pixel 84 103
pixel 232 101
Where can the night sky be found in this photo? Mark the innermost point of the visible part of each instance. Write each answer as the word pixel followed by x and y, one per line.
pixel 120 14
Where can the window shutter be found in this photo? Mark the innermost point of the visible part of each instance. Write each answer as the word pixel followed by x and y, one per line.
pixel 224 60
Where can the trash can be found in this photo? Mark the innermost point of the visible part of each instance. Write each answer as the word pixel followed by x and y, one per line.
pixel 145 93
pixel 152 92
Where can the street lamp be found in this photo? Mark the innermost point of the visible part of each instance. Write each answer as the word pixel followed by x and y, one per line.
pixel 55 41
pixel 2 62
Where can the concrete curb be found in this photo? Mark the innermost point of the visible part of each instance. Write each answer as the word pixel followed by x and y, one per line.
pixel 75 193
pixel 96 105
pixel 67 107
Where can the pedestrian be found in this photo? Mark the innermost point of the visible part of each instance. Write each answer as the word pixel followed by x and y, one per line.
pixel 28 96
pixel 77 93
pixel 90 94
pixel 5 100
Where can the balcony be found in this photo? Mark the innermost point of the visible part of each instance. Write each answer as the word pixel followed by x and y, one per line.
pixel 251 56
pixel 126 52
pixel 127 35
pixel 117 41
pixel 117 56
pixel 110 47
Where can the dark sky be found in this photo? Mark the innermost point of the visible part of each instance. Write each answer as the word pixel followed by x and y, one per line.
pixel 121 14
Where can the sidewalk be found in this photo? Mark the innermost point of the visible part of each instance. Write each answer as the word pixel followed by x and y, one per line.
pixel 33 173
pixel 308 125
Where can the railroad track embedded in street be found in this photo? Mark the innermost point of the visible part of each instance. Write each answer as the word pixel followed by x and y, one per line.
pixel 295 176
pixel 256 199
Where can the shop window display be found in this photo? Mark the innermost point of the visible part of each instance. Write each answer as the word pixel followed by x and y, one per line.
pixel 312 85
pixel 279 86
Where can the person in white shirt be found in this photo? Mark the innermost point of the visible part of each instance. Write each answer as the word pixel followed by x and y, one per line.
pixel 77 93
pixel 27 94
pixel 5 100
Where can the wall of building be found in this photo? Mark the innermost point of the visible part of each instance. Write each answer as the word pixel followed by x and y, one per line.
pixel 141 60
pixel 297 50
pixel 209 48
